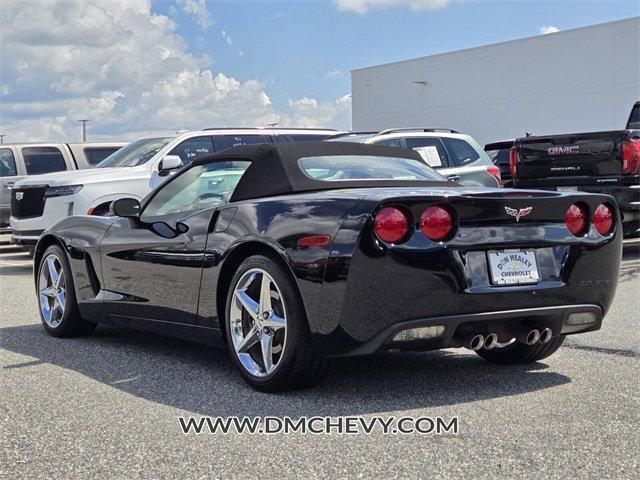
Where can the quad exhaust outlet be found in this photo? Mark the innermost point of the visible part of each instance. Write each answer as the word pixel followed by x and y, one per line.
pixel 529 337
pixel 488 341
pixel 473 341
pixel 545 335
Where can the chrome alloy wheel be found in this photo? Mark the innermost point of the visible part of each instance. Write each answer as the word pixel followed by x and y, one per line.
pixel 52 293
pixel 258 322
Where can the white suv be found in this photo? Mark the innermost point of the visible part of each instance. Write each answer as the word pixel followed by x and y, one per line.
pixel 39 201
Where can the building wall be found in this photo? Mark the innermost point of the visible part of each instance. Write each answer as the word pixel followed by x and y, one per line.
pixel 576 80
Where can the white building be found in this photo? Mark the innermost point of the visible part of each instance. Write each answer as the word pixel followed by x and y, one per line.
pixel 577 80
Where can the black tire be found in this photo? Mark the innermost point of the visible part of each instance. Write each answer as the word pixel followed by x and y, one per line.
pixel 71 324
pixel 301 365
pixel 522 353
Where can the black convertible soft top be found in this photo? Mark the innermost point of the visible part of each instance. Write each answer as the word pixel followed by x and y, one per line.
pixel 274 168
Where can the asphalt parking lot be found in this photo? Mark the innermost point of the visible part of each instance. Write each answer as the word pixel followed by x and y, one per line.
pixel 108 405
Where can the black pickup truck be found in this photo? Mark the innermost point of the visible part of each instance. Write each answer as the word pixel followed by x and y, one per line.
pixel 598 162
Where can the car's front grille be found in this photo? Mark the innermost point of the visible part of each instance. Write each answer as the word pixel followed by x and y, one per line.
pixel 27 202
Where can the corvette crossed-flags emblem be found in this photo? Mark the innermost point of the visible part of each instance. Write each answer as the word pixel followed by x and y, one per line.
pixel 518 213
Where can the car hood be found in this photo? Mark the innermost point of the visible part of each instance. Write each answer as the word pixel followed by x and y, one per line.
pixel 83 177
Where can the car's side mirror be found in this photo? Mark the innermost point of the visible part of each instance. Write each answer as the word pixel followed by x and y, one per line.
pixel 168 164
pixel 126 207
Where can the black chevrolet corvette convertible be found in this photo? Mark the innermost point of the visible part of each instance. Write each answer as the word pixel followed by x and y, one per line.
pixel 297 253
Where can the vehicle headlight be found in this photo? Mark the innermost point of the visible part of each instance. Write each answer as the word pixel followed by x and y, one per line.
pixel 62 190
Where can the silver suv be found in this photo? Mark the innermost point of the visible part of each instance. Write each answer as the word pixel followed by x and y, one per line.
pixel 454 155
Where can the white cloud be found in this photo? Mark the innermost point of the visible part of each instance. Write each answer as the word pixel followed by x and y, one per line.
pixel 227 37
pixel 334 74
pixel 308 112
pixel 127 70
pixel 548 29
pixel 363 6
pixel 197 8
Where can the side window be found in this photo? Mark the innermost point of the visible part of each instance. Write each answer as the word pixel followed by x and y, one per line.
pixel 393 142
pixel 461 152
pixel 199 188
pixel 193 149
pixel 95 155
pixel 39 160
pixel 229 141
pixel 430 149
pixel 7 163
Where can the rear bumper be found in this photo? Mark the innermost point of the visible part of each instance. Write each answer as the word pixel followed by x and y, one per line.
pixel 388 290
pixel 26 238
pixel 505 323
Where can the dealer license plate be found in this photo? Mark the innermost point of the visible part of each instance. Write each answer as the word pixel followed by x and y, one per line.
pixel 513 267
pixel 567 189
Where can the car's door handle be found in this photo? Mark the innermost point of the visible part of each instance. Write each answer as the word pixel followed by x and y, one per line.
pixel 453 178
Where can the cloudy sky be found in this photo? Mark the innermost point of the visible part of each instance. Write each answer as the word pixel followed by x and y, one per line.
pixel 140 66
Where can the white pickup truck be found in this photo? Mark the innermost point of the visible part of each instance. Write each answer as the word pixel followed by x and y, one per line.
pixel 40 201
pixel 17 160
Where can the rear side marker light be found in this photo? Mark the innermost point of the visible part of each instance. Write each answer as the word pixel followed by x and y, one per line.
pixel 513 161
pixel 391 225
pixel 314 241
pixel 421 333
pixel 603 219
pixel 576 219
pixel 495 173
pixel 436 223
pixel 631 157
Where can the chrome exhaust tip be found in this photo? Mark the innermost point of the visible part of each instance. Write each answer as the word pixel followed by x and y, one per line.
pixel 490 341
pixel 529 337
pixel 546 335
pixel 475 342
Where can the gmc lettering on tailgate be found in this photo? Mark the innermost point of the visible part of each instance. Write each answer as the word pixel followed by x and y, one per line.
pixel 572 149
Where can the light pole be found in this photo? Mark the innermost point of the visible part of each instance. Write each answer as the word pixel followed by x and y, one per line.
pixel 84 128
pixel 2 138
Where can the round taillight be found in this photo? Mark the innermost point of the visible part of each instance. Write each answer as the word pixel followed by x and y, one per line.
pixel 391 225
pixel 603 219
pixel 576 219
pixel 436 223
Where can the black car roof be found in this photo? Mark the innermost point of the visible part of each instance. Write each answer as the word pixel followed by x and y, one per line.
pixel 274 168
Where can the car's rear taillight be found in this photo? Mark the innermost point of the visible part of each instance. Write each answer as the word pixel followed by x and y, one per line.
pixel 631 157
pixel 603 219
pixel 495 173
pixel 513 161
pixel 436 223
pixel 576 219
pixel 391 225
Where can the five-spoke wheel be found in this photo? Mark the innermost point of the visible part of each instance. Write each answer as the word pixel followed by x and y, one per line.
pixel 266 327
pixel 52 291
pixel 258 322
pixel 56 295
